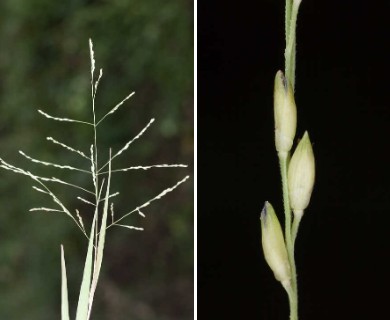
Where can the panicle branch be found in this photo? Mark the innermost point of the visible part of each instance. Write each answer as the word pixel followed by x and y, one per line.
pixel 67 147
pixel 115 108
pixel 63 119
pixel 50 164
pixel 148 167
pixel 159 196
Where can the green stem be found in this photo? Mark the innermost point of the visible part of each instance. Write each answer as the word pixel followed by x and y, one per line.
pixel 290 51
pixel 293 294
pixel 287 18
pixel 293 301
pixel 286 201
pixel 96 168
pixel 295 226
pixel 291 228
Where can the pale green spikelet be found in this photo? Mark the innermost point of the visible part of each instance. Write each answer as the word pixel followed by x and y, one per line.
pixel 301 175
pixel 274 248
pixel 285 113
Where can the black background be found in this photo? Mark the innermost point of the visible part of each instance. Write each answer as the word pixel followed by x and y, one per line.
pixel 342 95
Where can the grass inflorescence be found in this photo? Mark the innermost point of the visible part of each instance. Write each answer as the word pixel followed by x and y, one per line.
pixel 99 190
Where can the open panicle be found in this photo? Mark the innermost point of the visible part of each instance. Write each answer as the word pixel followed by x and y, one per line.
pixel 97 195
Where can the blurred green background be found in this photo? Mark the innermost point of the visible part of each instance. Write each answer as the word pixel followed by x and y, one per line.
pixel 144 46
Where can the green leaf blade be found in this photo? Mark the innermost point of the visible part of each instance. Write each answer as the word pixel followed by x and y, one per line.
pixel 64 289
pixel 83 303
pixel 101 242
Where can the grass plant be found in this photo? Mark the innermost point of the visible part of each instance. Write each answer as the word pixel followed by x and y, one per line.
pixel 297 172
pixel 97 195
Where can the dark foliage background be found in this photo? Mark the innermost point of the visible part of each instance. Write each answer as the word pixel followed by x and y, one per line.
pixel 342 249
pixel 145 46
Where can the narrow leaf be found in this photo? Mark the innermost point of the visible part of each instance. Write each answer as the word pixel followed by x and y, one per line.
pixel 82 307
pixel 64 289
pixel 102 238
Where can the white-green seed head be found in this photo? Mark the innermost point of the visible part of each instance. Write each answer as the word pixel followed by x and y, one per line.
pixel 301 175
pixel 285 112
pixel 274 248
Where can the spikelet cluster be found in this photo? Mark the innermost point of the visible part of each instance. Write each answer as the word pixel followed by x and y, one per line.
pixel 300 177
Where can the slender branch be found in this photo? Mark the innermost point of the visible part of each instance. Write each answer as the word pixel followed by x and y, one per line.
pixel 12 168
pixel 287 18
pixel 147 167
pixel 53 179
pixel 46 209
pixel 67 147
pixel 159 196
pixel 110 196
pixel 291 228
pixel 286 201
pixel 295 226
pixel 86 201
pixel 129 227
pixel 50 164
pixel 115 108
pixel 283 159
pixel 127 145
pixel 290 51
pixel 98 81
pixel 292 299
pixel 63 119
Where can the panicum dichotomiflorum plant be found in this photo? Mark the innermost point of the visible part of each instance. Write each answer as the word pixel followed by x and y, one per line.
pixel 297 172
pixel 98 196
